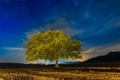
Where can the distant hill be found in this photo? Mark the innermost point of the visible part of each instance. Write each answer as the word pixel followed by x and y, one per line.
pixel 110 57
pixel 75 62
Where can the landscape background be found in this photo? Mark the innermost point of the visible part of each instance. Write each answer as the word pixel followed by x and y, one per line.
pixel 95 23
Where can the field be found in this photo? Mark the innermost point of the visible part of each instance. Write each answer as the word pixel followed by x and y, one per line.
pixel 28 74
pixel 69 72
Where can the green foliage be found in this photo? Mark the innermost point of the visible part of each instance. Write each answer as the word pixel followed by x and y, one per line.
pixel 52 45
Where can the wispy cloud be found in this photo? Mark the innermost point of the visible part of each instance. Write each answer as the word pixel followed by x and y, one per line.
pixel 100 50
pixel 13 56
pixel 59 24
pixel 14 48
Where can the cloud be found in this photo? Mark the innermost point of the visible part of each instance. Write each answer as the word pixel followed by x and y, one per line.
pixel 64 25
pixel 58 24
pixel 100 50
pixel 14 48
pixel 13 56
pixel 106 25
pixel 29 33
pixel 109 25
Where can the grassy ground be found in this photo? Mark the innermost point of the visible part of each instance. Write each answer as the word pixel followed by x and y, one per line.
pixel 47 74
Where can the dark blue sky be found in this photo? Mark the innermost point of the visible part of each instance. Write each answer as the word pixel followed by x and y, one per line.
pixel 96 23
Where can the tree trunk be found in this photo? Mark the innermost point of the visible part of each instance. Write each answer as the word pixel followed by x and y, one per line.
pixel 56 59
pixel 56 63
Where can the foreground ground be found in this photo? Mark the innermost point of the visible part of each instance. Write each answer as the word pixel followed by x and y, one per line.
pixel 66 73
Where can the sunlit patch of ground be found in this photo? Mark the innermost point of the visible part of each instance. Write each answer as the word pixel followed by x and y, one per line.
pixel 32 74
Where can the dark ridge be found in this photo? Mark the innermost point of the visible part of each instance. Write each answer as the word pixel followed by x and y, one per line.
pixel 110 57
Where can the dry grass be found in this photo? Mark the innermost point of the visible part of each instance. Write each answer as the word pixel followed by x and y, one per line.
pixel 30 74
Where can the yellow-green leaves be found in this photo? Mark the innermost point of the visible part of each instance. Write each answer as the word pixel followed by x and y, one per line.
pixel 50 45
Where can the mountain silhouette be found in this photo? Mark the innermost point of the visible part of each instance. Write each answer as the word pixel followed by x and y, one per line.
pixel 110 57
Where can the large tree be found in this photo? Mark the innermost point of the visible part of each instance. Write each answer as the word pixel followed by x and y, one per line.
pixel 52 45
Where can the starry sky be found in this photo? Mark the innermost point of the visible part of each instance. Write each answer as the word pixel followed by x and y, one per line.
pixel 96 23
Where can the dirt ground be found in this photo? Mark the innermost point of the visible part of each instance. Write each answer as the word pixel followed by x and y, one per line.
pixel 90 73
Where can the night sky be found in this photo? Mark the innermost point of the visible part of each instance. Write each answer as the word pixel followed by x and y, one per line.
pixel 96 23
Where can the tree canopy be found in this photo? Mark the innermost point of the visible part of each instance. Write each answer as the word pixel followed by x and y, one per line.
pixel 52 45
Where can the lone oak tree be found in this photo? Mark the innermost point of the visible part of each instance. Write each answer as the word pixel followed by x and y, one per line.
pixel 52 45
